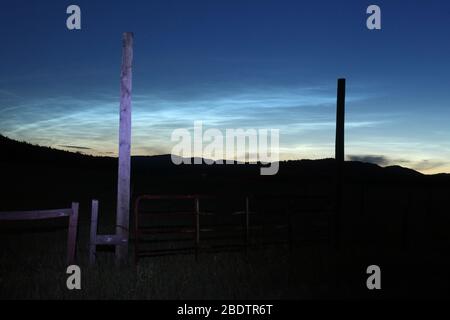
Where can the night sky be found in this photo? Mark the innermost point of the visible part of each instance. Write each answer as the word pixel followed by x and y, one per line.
pixel 232 64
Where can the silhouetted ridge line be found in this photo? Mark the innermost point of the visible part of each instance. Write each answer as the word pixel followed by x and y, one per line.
pixel 24 153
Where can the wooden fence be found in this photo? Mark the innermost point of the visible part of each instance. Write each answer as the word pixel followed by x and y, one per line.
pixel 71 213
pixel 117 240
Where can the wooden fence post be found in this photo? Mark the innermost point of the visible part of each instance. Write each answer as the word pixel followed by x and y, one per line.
pixel 247 224
pixel 289 221
pixel 339 156
pixel 123 185
pixel 363 199
pixel 72 234
pixel 405 221
pixel 137 234
pixel 197 227
pixel 93 236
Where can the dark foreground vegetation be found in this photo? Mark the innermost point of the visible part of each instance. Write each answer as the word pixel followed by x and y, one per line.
pixel 393 217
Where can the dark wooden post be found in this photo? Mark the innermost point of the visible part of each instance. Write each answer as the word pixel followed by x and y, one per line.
pixel 72 234
pixel 197 227
pixel 339 156
pixel 123 184
pixel 363 199
pixel 405 221
pixel 340 120
pixel 289 221
pixel 93 235
pixel 137 234
pixel 247 223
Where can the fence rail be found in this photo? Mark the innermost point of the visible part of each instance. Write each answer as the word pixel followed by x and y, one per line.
pixel 71 213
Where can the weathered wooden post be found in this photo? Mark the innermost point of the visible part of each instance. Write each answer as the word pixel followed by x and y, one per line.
pixel 72 237
pixel 339 156
pixel 93 232
pixel 247 224
pixel 405 221
pixel 123 183
pixel 197 227
pixel 340 120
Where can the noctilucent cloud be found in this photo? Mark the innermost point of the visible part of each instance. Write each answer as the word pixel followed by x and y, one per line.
pixel 232 64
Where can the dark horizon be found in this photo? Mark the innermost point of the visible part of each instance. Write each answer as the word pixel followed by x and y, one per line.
pixel 77 151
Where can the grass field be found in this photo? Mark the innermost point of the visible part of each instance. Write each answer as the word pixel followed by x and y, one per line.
pixel 34 268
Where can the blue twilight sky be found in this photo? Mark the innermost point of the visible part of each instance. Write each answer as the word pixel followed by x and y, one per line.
pixel 232 64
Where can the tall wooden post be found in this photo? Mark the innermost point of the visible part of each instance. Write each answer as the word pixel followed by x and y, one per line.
pixel 123 183
pixel 340 120
pixel 339 156
pixel 72 237
pixel 93 235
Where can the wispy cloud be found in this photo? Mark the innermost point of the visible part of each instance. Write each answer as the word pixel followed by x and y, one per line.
pixel 376 159
pixel 75 147
pixel 92 120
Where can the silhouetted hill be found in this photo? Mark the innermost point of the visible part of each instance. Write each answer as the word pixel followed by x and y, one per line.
pixel 19 152
pixel 145 169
